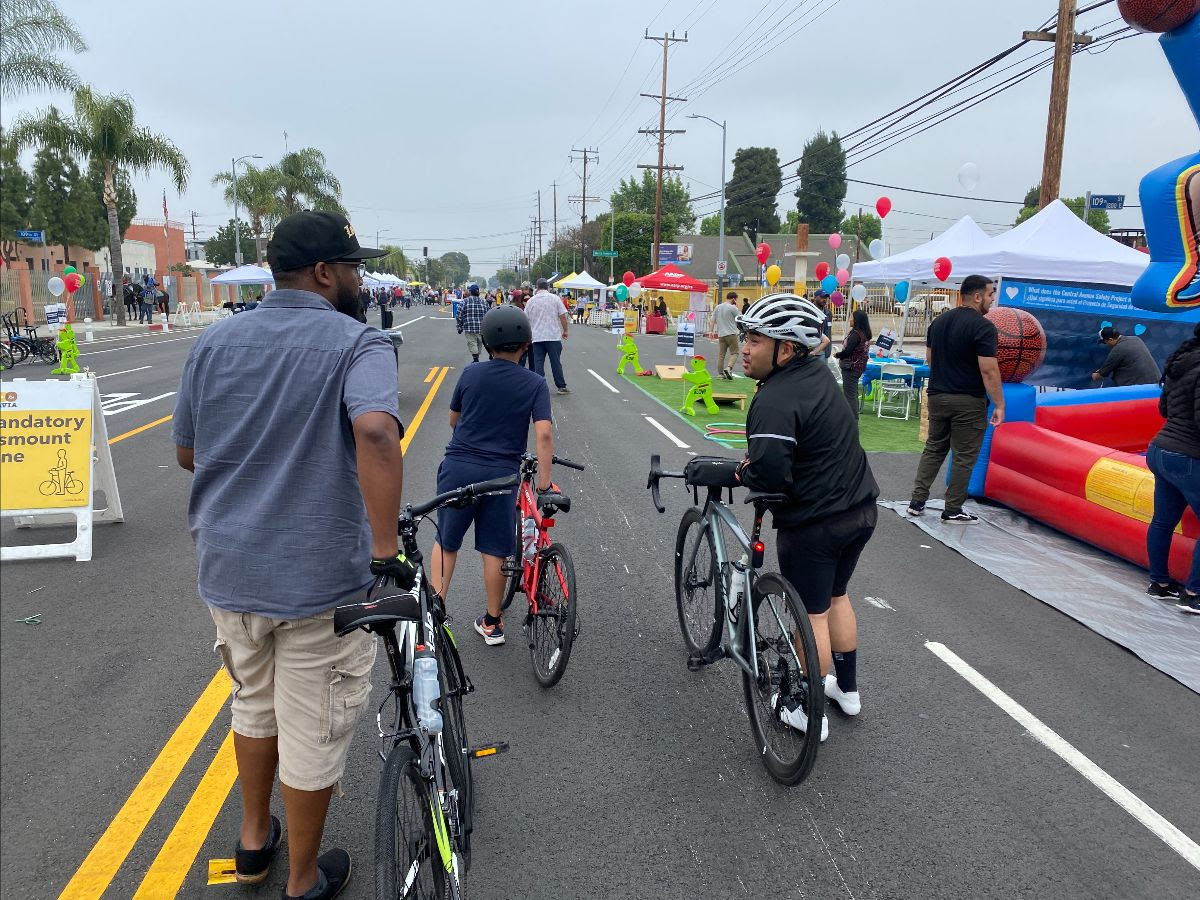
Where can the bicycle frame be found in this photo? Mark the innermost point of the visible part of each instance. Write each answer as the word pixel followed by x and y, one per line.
pixel 531 570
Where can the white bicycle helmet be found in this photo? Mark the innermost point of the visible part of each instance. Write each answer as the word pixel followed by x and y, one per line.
pixel 784 317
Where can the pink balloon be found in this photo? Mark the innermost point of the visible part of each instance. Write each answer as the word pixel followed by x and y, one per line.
pixel 837 298
pixel 835 241
pixel 842 277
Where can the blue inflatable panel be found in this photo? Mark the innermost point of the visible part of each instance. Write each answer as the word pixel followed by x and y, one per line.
pixel 1096 395
pixel 1020 404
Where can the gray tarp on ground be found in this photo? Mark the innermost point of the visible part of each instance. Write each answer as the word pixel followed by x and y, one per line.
pixel 1106 594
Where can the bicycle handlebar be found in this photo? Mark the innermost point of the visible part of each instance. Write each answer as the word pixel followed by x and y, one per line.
pixel 656 473
pixel 460 497
pixel 559 461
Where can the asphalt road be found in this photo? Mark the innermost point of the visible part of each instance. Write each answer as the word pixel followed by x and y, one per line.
pixel 631 778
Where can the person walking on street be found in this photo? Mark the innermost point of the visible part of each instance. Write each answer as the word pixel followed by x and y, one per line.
pixel 278 548
pixel 548 319
pixel 470 320
pixel 725 324
pixel 146 301
pixel 821 299
pixel 1174 458
pixel 852 358
pixel 963 373
pixel 130 296
pixel 1128 361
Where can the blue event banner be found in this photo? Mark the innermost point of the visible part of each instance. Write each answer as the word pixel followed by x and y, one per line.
pixel 1108 301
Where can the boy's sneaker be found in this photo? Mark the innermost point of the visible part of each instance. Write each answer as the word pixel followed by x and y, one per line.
pixel 564 390
pixel 1189 603
pixel 959 518
pixel 847 701
pixel 493 635
pixel 916 508
pixel 1172 590
pixel 797 718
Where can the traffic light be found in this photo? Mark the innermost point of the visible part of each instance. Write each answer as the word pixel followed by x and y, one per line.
pixel 426 252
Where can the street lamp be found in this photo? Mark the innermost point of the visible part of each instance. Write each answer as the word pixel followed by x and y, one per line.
pixel 237 232
pixel 721 251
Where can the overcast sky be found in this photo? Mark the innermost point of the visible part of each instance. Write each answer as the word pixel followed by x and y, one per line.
pixel 443 120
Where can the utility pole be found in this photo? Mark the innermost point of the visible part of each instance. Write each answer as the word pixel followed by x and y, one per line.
pixel 667 40
pixel 1065 40
pixel 593 156
pixel 195 240
pixel 539 221
pixel 554 240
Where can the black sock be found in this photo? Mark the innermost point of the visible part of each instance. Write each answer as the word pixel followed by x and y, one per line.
pixel 846 666
pixel 488 620
pixel 475 357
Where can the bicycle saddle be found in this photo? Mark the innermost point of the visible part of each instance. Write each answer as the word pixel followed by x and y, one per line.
pixel 389 605
pixel 757 498
pixel 553 502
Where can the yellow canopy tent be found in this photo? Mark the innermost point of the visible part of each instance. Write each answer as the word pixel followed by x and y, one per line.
pixel 558 284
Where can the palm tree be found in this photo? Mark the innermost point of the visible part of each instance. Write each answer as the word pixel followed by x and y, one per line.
pixel 304 182
pixel 257 191
pixel 104 130
pixel 31 31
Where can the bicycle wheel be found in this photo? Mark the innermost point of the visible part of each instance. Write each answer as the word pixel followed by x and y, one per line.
pixel 6 358
pixel 19 350
pixel 407 861
pixel 552 631
pixel 454 741
pixel 48 488
pixel 699 590
pixel 74 486
pixel 512 582
pixel 789 673
pixel 46 350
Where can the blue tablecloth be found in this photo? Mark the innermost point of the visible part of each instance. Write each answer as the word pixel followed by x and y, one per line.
pixel 874 368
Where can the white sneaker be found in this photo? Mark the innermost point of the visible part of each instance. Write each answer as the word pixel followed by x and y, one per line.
pixel 847 701
pixel 797 718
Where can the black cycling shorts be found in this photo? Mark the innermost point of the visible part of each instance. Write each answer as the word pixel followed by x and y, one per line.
pixel 819 558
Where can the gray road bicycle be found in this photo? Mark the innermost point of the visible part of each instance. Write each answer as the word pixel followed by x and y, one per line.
pixel 728 608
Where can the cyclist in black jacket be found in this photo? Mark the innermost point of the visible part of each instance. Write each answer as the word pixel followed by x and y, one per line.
pixel 802 441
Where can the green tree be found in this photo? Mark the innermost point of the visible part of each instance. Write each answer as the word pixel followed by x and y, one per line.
pixel 394 262
pixel 456 266
pixel 822 188
pixel 634 240
pixel 104 129
pixel 435 273
pixel 750 194
pixel 1098 218
pixel 866 226
pixel 480 280
pixel 304 181
pixel 97 235
pixel 60 196
pixel 507 278
pixel 31 33
pixel 640 196
pixel 16 198
pixel 791 223
pixel 221 248
pixel 258 192
pixel 711 225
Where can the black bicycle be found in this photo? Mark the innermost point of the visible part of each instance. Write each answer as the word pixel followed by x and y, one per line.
pixel 21 347
pixel 424 814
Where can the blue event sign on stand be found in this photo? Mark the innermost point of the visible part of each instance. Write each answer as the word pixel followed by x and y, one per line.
pixel 1072 315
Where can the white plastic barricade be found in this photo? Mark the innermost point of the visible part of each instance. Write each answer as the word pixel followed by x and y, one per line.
pixel 54 458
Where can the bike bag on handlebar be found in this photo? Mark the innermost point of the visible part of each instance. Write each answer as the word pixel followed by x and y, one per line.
pixel 711 472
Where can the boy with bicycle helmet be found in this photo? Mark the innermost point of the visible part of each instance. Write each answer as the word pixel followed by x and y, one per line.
pixel 802 441
pixel 490 412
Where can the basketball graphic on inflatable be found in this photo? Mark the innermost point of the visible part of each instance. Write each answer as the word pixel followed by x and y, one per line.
pixel 1157 15
pixel 1020 342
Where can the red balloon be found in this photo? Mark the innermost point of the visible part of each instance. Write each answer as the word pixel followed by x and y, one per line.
pixel 942 268
pixel 629 278
pixel 763 252
pixel 73 282
pixel 883 206
pixel 821 270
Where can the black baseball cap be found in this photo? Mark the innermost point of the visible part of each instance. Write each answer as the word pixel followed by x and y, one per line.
pixel 1107 333
pixel 309 237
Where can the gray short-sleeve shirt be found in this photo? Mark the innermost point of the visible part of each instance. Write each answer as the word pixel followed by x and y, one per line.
pixel 267 400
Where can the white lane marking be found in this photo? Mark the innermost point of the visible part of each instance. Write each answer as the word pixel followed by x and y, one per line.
pixel 135 346
pixel 125 372
pixel 593 373
pixel 403 324
pixel 119 403
pixel 880 603
pixel 1118 793
pixel 674 440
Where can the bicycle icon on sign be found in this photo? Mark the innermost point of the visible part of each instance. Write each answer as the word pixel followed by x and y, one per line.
pixel 62 481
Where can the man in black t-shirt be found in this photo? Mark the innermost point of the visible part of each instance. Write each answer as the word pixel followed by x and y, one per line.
pixel 963 373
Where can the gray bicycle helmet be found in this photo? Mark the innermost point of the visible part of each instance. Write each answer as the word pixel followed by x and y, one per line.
pixel 505 328
pixel 784 317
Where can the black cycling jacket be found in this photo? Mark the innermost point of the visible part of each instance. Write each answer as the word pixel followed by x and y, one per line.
pixel 802 440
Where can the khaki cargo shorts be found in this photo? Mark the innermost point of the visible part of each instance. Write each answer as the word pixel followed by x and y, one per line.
pixel 297 680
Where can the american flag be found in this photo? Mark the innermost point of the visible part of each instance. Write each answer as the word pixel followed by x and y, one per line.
pixel 164 213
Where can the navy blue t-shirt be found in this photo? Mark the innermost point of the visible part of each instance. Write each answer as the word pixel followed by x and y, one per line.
pixel 496 401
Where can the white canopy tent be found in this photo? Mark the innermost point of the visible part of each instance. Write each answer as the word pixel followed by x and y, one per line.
pixel 581 282
pixel 916 265
pixel 1054 245
pixel 247 274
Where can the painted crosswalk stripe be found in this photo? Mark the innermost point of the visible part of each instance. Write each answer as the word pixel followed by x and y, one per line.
pixel 125 372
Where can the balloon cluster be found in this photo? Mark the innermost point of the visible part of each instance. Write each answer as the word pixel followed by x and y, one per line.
pixel 72 281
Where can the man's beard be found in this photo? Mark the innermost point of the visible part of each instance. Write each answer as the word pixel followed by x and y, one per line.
pixel 347 300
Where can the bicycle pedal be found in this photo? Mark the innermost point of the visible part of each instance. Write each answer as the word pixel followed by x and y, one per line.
pixel 489 750
pixel 696 663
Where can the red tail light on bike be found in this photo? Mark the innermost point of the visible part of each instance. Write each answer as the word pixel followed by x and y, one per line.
pixel 547 523
pixel 759 551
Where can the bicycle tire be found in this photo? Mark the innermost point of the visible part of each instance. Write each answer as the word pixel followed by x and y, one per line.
pixel 6 358
pixel 553 630
pixel 512 583
pixel 455 745
pixel 787 754
pixel 406 851
pixel 701 632
pixel 46 351
pixel 20 351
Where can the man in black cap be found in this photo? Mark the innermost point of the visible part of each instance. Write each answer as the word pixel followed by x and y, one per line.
pixel 1129 360
pixel 821 298
pixel 289 421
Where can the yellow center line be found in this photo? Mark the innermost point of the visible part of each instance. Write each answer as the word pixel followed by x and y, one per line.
pixel 411 431
pixel 147 427
pixel 431 373
pixel 101 865
pixel 175 858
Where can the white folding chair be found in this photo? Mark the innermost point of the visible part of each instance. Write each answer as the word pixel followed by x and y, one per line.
pixel 896 391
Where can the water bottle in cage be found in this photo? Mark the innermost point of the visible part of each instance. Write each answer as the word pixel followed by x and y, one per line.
pixel 529 538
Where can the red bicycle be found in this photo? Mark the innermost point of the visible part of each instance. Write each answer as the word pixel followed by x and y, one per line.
pixel 543 570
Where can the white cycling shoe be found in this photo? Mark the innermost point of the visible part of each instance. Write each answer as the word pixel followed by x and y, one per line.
pixel 847 701
pixel 797 718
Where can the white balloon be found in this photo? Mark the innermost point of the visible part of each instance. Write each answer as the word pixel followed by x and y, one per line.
pixel 859 293
pixel 635 290
pixel 56 286
pixel 968 176
pixel 843 260
pixel 877 249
